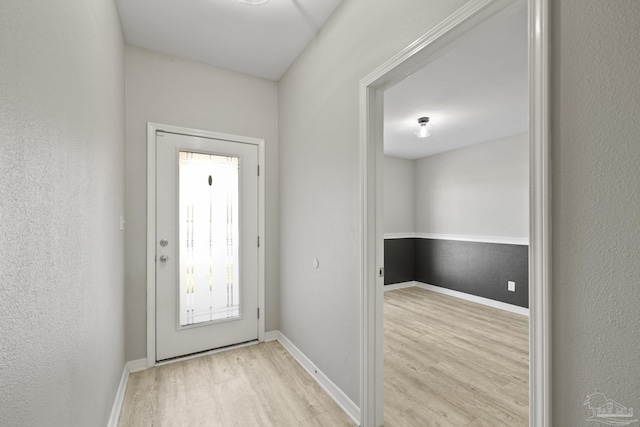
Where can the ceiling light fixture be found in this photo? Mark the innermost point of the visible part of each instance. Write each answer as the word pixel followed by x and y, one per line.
pixel 421 129
pixel 253 2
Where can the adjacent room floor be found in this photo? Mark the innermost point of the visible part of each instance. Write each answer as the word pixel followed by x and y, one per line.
pixel 450 362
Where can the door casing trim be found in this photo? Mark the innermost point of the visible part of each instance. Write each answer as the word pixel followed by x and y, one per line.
pixel 152 128
pixel 407 61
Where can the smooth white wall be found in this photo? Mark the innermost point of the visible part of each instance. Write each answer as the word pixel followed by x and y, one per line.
pixel 319 176
pixel 596 204
pixel 399 195
pixel 169 90
pixel 481 190
pixel 62 194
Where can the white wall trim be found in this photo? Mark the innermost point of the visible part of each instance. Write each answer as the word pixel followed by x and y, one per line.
pixel 347 405
pixel 116 409
pixel 481 239
pixel 271 336
pixel 136 365
pixel 402 285
pixel 129 368
pixel 389 236
pixel 473 298
pixel 412 58
pixel 461 238
pixel 540 369
pixel 151 244
pixel 152 128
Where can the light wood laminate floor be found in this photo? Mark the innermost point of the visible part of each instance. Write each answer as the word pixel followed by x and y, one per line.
pixel 450 362
pixel 258 385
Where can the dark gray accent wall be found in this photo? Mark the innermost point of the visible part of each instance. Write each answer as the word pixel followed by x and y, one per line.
pixel 481 269
pixel 476 268
pixel 399 260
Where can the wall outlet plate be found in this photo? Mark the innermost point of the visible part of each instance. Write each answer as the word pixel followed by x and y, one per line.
pixel 511 286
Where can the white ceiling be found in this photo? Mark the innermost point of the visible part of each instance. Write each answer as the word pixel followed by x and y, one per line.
pixel 476 92
pixel 259 40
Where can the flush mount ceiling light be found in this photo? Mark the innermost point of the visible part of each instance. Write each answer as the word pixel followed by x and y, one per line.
pixel 421 129
pixel 253 2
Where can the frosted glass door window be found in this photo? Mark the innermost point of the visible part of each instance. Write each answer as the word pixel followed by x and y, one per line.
pixel 206 230
pixel 209 272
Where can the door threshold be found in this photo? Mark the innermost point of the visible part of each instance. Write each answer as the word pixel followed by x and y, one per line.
pixel 205 353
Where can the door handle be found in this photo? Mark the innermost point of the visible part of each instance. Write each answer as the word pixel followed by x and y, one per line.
pixel 164 258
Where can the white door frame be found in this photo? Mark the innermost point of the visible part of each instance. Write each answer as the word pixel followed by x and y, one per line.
pixel 152 129
pixel 409 60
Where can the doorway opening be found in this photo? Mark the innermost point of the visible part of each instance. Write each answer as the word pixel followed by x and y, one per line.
pixel 427 50
pixel 456 233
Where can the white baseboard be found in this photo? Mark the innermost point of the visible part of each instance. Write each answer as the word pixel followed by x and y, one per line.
pixel 271 336
pixel 129 367
pixel 399 286
pixel 480 300
pixel 119 400
pixel 137 365
pixel 347 405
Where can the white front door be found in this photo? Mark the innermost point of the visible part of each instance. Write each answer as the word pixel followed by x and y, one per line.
pixel 206 244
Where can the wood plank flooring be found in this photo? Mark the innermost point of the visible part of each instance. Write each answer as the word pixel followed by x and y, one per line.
pixel 450 362
pixel 258 385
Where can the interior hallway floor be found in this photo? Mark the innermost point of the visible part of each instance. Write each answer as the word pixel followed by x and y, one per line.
pixel 450 362
pixel 257 385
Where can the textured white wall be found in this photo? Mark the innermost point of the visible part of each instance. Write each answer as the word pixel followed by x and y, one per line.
pixel 62 193
pixel 319 176
pixel 596 204
pixel 174 91
pixel 399 195
pixel 481 190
